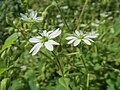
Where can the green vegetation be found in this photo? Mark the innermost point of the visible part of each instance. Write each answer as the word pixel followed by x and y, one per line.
pixel 67 67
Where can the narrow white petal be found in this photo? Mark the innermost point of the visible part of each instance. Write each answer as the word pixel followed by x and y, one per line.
pixel 90 39
pixel 38 37
pixel 49 32
pixel 77 33
pixel 55 33
pixel 34 40
pixel 92 35
pixel 36 48
pixel 39 18
pixel 76 42
pixel 33 14
pixel 49 46
pixel 71 41
pixel 45 33
pixel 23 15
pixel 25 19
pixel 70 37
pixel 86 41
pixel 53 42
pixel 81 33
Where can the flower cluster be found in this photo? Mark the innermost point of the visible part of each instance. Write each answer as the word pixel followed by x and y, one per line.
pixel 45 39
pixel 79 36
pixel 32 17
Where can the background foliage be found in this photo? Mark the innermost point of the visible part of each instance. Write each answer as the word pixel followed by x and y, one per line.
pixel 21 71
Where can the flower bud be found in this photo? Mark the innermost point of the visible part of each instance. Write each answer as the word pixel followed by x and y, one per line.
pixel 44 14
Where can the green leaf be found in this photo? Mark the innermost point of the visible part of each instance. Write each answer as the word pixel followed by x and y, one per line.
pixel 30 75
pixel 60 87
pixel 17 85
pixel 117 26
pixel 64 82
pixel 4 84
pixel 9 41
pixel 2 70
pixel 110 85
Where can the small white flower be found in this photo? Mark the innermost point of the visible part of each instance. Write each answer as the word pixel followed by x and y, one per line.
pixel 94 24
pixel 58 16
pixel 79 36
pixel 64 7
pixel 32 17
pixel 45 39
pixel 83 25
pixel 97 21
pixel 109 18
pixel 103 15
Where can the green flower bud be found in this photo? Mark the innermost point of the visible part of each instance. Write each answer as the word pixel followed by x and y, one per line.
pixel 44 14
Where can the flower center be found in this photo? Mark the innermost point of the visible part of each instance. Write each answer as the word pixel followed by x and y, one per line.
pixel 44 39
pixel 30 18
pixel 80 37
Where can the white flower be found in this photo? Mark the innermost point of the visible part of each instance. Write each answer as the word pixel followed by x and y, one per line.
pixel 83 25
pixel 64 7
pixel 103 14
pixel 45 39
pixel 79 36
pixel 32 17
pixel 94 24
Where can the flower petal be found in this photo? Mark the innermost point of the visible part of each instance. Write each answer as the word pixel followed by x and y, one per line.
pixel 92 35
pixel 71 41
pixel 39 18
pixel 34 40
pixel 49 32
pixel 81 33
pixel 36 48
pixel 49 46
pixel 38 37
pixel 77 33
pixel 86 41
pixel 53 42
pixel 23 15
pixel 90 39
pixel 33 14
pixel 55 33
pixel 70 37
pixel 76 42
pixel 45 33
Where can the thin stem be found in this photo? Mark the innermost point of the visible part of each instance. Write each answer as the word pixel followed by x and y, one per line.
pixel 59 64
pixel 84 63
pixel 87 72
pixel 45 55
pixel 62 15
pixel 86 69
pixel 87 81
pixel 83 9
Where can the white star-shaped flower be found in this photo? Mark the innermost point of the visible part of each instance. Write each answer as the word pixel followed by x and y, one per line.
pixel 45 39
pixel 32 17
pixel 79 36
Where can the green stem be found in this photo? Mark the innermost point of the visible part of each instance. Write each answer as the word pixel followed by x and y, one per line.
pixel 61 69
pixel 62 15
pixel 45 55
pixel 87 72
pixel 83 9
pixel 83 61
pixel 60 66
